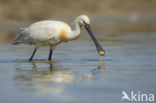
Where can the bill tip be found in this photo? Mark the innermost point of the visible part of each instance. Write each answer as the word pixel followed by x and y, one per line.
pixel 101 53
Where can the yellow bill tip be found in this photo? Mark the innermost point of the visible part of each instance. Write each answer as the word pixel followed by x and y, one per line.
pixel 101 53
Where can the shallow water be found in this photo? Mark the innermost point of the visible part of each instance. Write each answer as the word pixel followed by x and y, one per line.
pixel 78 74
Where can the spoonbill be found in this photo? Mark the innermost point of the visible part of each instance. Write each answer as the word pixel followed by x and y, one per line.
pixel 50 33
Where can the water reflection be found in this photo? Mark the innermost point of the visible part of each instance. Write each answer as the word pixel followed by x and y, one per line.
pixel 51 80
pixel 100 67
pixel 53 75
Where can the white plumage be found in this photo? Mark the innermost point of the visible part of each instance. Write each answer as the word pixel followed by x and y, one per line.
pixel 51 33
pixel 44 33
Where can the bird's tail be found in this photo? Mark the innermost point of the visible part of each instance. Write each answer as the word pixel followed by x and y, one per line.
pixel 18 37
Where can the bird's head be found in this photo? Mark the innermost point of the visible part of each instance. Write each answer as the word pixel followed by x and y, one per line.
pixel 83 20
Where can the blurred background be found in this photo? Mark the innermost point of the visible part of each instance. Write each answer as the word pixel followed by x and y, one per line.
pixel 109 15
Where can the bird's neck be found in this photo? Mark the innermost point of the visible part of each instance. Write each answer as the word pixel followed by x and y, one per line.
pixel 76 31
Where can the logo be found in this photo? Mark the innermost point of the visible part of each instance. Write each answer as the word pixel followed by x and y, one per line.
pixel 137 97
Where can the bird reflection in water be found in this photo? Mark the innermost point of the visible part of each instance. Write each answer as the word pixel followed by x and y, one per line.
pixel 100 67
pixel 54 74
pixel 52 80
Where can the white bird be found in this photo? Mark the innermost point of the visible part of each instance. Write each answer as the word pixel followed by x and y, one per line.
pixel 50 33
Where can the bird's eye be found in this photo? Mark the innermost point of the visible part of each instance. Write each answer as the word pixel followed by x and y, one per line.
pixel 84 22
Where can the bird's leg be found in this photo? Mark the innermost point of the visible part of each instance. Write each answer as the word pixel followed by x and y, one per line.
pixel 32 55
pixel 50 54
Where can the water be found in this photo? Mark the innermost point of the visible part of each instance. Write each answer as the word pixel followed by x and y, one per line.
pixel 78 74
